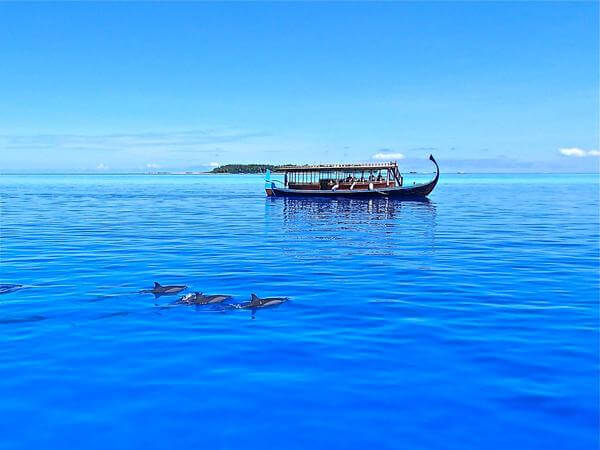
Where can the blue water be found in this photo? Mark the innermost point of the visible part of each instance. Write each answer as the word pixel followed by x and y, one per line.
pixel 469 322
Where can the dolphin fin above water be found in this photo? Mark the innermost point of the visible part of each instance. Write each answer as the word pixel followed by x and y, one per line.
pixel 257 302
pixel 159 289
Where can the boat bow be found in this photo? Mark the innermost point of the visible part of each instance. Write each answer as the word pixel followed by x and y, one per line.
pixel 426 188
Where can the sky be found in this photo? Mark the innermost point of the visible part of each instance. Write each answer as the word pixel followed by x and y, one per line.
pixel 136 87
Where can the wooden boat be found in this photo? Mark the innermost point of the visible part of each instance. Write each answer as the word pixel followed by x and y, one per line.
pixel 372 180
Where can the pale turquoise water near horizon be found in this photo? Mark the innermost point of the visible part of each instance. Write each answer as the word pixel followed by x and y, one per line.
pixel 469 321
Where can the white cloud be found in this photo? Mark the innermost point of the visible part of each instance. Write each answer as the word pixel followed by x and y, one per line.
pixel 574 151
pixel 214 164
pixel 578 152
pixel 101 166
pixel 388 156
pixel 153 166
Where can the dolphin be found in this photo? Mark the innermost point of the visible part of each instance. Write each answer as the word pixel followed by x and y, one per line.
pixel 198 298
pixel 159 289
pixel 257 302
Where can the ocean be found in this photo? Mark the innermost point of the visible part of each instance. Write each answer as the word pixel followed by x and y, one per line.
pixel 466 322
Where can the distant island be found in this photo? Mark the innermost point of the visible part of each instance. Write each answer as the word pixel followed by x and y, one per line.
pixel 244 168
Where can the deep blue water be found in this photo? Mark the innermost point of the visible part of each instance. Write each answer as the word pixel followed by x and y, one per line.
pixel 469 322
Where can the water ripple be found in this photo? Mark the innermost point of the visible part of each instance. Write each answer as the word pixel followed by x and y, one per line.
pixel 466 321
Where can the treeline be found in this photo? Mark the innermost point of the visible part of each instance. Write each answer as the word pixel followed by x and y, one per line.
pixel 244 168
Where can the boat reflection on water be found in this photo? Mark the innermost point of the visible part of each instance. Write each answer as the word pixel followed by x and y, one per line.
pixel 381 208
pixel 346 226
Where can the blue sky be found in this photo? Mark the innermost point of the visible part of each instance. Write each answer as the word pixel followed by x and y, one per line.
pixel 146 86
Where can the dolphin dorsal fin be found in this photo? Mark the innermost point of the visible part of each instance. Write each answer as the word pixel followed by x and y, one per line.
pixel 157 284
pixel 254 297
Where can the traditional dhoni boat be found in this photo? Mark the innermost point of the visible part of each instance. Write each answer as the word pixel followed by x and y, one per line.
pixel 347 180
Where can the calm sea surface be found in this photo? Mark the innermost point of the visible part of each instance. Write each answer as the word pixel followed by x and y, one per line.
pixel 468 322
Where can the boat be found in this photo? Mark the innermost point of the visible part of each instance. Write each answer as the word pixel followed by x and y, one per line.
pixel 369 180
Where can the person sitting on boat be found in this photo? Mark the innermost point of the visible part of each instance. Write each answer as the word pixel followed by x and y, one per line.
pixel 379 177
pixel 371 177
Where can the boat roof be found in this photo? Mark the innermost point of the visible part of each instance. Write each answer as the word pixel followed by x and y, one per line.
pixel 341 167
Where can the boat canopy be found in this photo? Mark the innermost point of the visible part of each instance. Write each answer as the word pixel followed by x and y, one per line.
pixel 338 167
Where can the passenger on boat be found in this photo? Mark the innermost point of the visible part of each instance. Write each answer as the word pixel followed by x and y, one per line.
pixel 379 177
